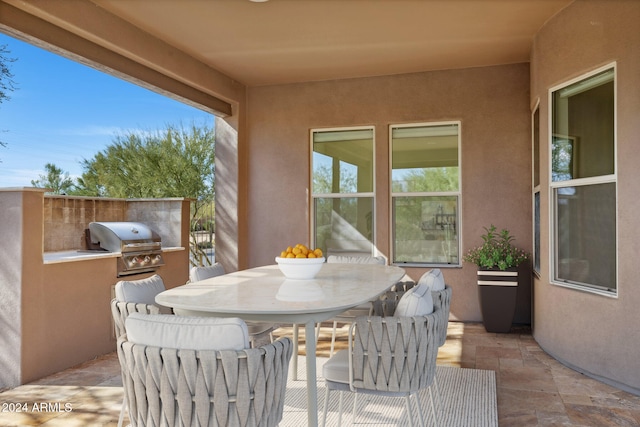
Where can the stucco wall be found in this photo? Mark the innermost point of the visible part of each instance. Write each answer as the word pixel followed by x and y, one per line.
pixel 593 333
pixel 492 104
pixel 11 225
pixel 56 314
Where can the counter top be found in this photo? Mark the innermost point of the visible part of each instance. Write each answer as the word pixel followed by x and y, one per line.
pixel 84 255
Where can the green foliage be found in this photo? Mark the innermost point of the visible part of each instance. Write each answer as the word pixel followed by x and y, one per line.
pixel 171 163
pixel 496 251
pixel 58 181
pixel 428 180
pixel 6 77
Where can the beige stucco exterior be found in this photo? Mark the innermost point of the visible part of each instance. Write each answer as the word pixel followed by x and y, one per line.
pixel 491 104
pixel 593 333
pixel 263 152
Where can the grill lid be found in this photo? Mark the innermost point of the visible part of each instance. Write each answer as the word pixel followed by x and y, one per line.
pixel 124 236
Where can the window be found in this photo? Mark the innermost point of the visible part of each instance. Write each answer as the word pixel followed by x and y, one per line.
pixel 583 183
pixel 342 169
pixel 535 136
pixel 425 193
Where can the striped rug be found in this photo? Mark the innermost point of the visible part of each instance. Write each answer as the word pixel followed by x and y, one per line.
pixel 467 398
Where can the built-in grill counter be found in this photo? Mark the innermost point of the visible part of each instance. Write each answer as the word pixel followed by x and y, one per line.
pixel 134 246
pixel 58 279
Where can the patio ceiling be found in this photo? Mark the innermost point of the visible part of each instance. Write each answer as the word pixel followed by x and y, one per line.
pixel 286 41
pixel 199 50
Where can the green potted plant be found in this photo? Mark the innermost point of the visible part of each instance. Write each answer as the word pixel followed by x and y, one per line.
pixel 497 260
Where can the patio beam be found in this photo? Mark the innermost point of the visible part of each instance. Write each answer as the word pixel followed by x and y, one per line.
pixel 85 33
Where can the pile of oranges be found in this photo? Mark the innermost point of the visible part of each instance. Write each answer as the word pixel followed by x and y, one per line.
pixel 301 251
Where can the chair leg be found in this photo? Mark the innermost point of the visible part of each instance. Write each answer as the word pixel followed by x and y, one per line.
pixel 121 417
pixel 355 408
pixel 433 409
pixel 333 338
pixel 326 406
pixel 407 401
pixel 437 390
pixel 318 326
pixel 340 408
pixel 416 396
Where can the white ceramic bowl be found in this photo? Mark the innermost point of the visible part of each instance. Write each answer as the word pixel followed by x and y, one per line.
pixel 300 268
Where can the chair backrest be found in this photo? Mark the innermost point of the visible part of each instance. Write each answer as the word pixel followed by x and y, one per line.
pixel 142 291
pixel 386 304
pixel 442 300
pixel 205 272
pixel 356 259
pixel 120 310
pixel 178 387
pixel 393 354
pixel 185 332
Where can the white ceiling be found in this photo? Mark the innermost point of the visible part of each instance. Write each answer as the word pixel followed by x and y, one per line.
pixel 286 41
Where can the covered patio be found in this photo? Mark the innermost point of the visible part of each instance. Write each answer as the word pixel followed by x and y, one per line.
pixel 533 389
pixel 276 73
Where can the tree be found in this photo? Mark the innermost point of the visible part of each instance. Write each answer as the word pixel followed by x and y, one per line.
pixel 58 181
pixel 6 77
pixel 175 162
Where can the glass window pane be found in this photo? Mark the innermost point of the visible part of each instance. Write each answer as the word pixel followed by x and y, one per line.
pixel 425 158
pixel 583 128
pixel 425 229
pixel 586 235
pixel 344 226
pixel 342 161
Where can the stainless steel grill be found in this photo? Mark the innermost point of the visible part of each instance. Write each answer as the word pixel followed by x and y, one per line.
pixel 140 246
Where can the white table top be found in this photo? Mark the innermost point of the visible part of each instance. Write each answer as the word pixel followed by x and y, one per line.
pixel 264 294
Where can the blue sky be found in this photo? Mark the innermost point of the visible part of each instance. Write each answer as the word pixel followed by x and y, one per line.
pixel 63 112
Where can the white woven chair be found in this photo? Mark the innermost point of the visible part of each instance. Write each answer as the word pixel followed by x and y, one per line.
pixel 142 291
pixel 347 316
pixel 388 356
pixel 205 272
pixel 202 386
pixel 260 332
pixel 361 310
pixel 135 296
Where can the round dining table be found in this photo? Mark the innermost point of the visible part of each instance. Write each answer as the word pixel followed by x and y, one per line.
pixel 264 294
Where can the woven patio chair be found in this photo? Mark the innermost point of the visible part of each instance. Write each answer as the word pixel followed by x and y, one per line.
pixel 207 380
pixel 135 296
pixel 361 310
pixel 259 332
pixel 387 356
pixel 205 272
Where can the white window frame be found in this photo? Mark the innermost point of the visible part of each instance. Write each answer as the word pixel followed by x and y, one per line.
pixel 457 193
pixel 535 187
pixel 314 196
pixel 604 179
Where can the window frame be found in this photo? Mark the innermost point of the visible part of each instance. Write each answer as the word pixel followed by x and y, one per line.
pixel 393 195
pixel 536 209
pixel 369 194
pixel 575 182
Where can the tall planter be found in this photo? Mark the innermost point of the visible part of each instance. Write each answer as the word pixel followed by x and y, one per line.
pixel 497 292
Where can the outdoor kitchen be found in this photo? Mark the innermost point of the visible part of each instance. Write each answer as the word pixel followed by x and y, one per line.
pixel 61 259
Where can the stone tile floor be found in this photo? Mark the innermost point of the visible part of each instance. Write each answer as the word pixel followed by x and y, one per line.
pixel 533 388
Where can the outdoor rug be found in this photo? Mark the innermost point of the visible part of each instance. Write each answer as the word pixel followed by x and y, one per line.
pixel 467 398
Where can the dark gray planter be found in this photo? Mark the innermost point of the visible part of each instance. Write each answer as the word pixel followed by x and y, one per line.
pixel 497 292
